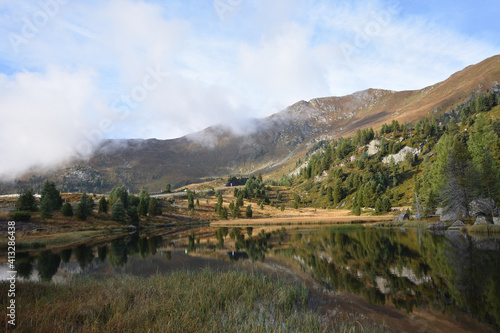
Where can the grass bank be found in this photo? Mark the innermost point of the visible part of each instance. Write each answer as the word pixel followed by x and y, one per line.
pixel 201 301
pixel 49 240
pixel 484 229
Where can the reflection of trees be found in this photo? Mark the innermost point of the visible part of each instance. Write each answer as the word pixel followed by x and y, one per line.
pixel 468 275
pixel 256 248
pixel 24 265
pixel 84 255
pixel 48 263
pixel 143 247
pixel 66 255
pixel 459 272
pixel 132 244
pixel 118 253
pixel 102 252
pixel 154 243
pixel 148 245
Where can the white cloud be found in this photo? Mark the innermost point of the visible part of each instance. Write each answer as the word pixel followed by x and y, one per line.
pixel 43 116
pixel 266 56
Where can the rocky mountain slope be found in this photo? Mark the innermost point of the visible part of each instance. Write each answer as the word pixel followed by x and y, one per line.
pixel 268 145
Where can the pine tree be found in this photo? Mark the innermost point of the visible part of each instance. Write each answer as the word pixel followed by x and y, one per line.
pixel 51 200
pixel 378 206
pixel 329 194
pixel 356 210
pixel 386 205
pixel 452 126
pixel 458 190
pixel 154 208
pixel 248 212
pixel 67 210
pixel 118 193
pixel 481 146
pixel 190 200
pixel 26 202
pixel 118 211
pixel 337 194
pixel 236 212
pixel 239 200
pixel 103 205
pixel 84 208
pixel 133 215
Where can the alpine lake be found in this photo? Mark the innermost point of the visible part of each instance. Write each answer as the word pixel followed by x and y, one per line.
pixel 408 278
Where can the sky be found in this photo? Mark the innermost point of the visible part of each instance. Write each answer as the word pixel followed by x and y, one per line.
pixel 73 73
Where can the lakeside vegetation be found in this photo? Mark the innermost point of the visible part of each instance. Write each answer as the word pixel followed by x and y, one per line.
pixel 202 301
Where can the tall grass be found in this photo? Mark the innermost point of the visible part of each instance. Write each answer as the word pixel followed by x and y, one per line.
pixel 201 301
pixel 485 229
pixel 31 242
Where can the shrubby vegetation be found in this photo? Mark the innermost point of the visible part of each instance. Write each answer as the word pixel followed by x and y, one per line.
pixel 459 164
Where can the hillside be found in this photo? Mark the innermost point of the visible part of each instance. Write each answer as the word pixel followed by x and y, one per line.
pixel 271 145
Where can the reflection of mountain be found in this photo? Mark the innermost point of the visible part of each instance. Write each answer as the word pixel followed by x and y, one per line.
pixel 451 273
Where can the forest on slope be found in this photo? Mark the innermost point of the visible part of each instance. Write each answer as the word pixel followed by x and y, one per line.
pixel 451 162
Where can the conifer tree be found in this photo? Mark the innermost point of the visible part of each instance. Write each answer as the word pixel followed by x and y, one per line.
pixel 67 210
pixel 103 205
pixel 51 199
pixel 26 201
pixel 118 211
pixel 458 190
pixel 248 212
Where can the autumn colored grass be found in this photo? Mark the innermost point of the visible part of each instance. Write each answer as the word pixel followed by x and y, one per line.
pixel 484 229
pixel 200 301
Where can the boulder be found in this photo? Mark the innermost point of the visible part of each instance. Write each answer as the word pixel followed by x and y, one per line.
pixel 437 226
pixel 450 215
pixel 496 220
pixel 401 155
pixel 481 206
pixel 373 147
pixel 402 217
pixel 457 225
pixel 481 220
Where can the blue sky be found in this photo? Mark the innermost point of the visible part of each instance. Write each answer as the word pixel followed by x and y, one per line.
pixel 75 72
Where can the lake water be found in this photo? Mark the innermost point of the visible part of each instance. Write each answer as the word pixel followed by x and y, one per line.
pixel 408 269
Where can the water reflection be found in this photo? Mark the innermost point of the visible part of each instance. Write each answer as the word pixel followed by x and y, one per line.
pixel 102 252
pixel 48 263
pixel 84 255
pixel 451 273
pixel 411 269
pixel 24 265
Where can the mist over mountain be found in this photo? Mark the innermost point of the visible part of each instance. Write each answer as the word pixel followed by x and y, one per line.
pixel 271 145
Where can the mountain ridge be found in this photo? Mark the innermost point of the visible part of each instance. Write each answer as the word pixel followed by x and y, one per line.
pixel 271 145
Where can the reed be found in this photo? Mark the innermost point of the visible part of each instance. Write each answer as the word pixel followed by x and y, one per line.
pixel 186 301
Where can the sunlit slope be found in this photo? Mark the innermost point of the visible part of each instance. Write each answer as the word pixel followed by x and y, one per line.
pixel 272 144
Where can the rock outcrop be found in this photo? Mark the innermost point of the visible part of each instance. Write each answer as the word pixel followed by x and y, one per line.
pixel 402 217
pixel 496 220
pixel 437 226
pixel 373 147
pixel 457 225
pixel 400 156
pixel 481 220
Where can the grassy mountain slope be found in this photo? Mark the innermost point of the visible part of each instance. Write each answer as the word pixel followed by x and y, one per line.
pixel 271 145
